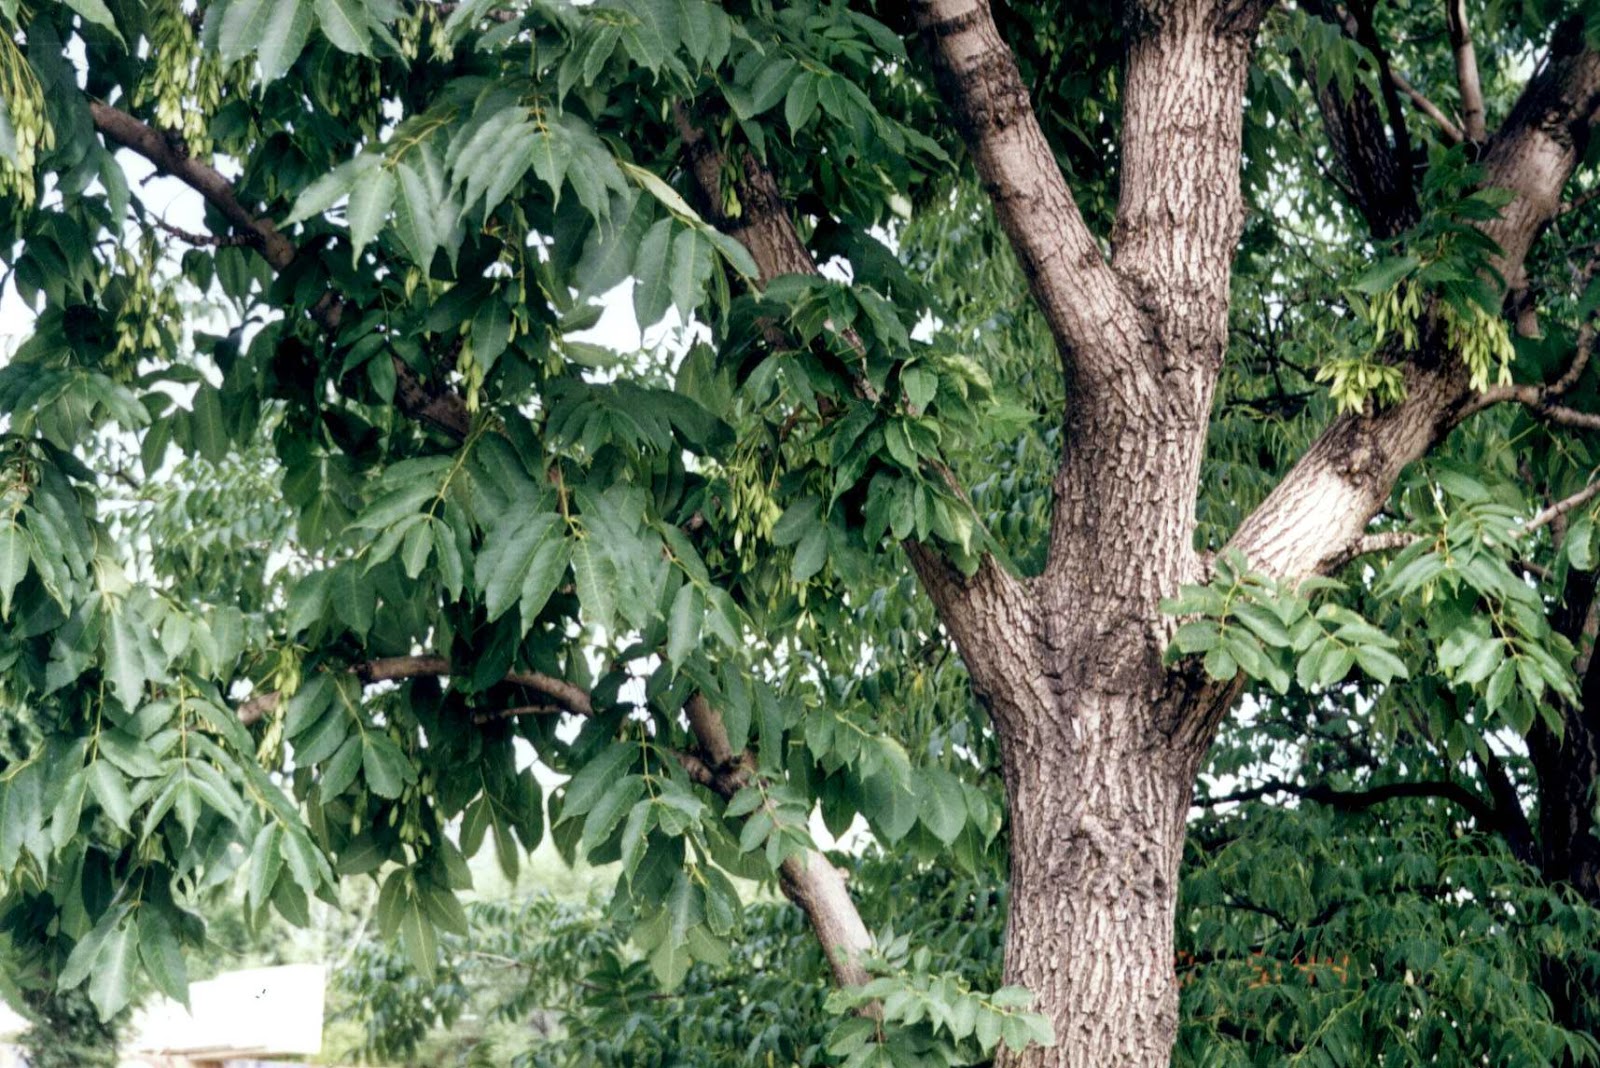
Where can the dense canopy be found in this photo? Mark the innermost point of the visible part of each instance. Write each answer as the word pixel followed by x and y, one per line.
pixel 1036 410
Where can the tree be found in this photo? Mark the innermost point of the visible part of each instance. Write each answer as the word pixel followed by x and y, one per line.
pixel 459 525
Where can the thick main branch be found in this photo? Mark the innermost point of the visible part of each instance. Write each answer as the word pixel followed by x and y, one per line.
pixel 1078 294
pixel 1322 507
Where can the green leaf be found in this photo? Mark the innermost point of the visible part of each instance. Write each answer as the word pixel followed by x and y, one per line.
pixel 161 954
pixel 111 981
pixel 346 24
pixel 416 216
pixel 111 791
pixel 1197 636
pixel 1264 625
pixel 97 12
pixel 244 23
pixel 339 771
pixel 668 196
pixel 1501 685
pixel 370 202
pixel 491 332
pixel 283 38
pixel 683 907
pixel 1220 664
pixel 13 564
pixel 549 152
pixel 594 579
pixel 770 84
pixel 386 767
pixel 618 798
pixel 635 836
pixel 693 259
pixel 683 623
pixel 810 554
pixel 417 934
pixel 328 190
pixel 1383 275
pixel 941 804
pixel 1579 543
pixel 1481 661
pixel 591 781
pixel 209 425
pixel 800 103
pixel 1380 664
pixel 522 561
pixel 128 753
pixel 652 288
pixel 267 861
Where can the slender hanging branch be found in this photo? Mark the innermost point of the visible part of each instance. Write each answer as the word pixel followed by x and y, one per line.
pixel 1480 810
pixel 766 228
pixel 807 878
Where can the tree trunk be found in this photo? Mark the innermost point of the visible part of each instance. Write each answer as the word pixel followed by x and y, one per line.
pixel 1566 767
pixel 1097 829
pixel 1100 739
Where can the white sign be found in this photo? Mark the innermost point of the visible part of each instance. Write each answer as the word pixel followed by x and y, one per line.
pixel 256 1011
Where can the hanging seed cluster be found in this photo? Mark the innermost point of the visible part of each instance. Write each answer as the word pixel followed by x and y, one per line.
pixel 1483 342
pixel 25 130
pixel 140 305
pixel 750 506
pixel 183 83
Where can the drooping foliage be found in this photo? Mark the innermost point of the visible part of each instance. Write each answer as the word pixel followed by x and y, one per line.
pixel 320 524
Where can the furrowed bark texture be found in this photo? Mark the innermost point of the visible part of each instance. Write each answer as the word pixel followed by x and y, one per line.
pixel 1070 664
pixel 1101 740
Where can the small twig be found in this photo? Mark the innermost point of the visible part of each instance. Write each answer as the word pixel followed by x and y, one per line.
pixel 1382 541
pixel 1452 132
pixel 519 710
pixel 1555 511
pixel 566 696
pixel 1581 201
pixel 208 240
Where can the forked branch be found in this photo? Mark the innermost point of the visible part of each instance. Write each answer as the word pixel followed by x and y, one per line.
pixel 1322 506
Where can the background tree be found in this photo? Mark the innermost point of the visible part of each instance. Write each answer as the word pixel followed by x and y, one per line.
pixel 682 578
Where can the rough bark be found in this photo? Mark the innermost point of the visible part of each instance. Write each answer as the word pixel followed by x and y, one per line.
pixel 1566 766
pixel 1376 175
pixel 808 878
pixel 1097 816
pixel 1100 741
pixel 1070 664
